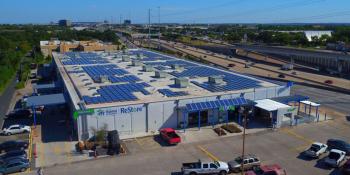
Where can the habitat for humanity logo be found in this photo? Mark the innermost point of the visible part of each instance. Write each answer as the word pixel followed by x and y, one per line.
pixel 115 111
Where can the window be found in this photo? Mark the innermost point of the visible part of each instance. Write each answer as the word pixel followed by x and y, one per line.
pixel 13 165
pixel 15 128
pixel 251 160
pixel 245 162
pixel 256 160
pixel 213 166
pixel 205 165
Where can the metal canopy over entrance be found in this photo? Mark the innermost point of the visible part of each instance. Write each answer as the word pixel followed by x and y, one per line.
pixel 192 107
pixel 44 100
pixel 288 99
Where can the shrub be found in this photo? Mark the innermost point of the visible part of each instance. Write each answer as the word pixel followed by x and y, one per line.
pixel 231 128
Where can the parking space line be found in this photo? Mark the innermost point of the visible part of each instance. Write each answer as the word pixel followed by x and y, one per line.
pixel 299 148
pixel 210 155
pixel 30 150
pixel 290 132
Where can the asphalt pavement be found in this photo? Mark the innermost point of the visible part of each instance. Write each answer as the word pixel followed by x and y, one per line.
pixel 5 99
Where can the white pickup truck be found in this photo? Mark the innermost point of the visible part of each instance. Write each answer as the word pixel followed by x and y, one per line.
pixel 316 150
pixel 194 168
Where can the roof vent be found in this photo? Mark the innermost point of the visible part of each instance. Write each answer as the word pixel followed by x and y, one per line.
pixel 125 58
pixel 136 63
pixel 181 82
pixel 215 80
pixel 147 68
pixel 160 74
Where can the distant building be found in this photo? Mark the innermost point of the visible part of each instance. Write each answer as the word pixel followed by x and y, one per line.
pixel 65 23
pixel 317 33
pixel 47 47
pixel 127 22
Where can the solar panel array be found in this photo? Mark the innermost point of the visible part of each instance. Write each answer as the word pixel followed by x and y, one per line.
pixel 100 70
pixel 170 93
pixel 76 58
pixel 198 71
pixel 117 93
pixel 216 104
pixel 169 63
pixel 232 84
pixel 127 78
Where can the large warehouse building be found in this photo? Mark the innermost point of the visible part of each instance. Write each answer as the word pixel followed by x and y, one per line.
pixel 137 92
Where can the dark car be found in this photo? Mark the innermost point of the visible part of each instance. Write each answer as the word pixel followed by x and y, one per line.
pixel 13 145
pixel 14 166
pixel 339 144
pixel 345 169
pixel 19 113
pixel 281 76
pixel 15 153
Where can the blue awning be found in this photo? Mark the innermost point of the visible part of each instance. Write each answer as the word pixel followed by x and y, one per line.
pixel 45 100
pixel 288 99
pixel 191 107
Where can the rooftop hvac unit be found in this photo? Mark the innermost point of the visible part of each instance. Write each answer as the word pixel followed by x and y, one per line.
pixel 100 79
pixel 160 74
pixel 136 63
pixel 181 82
pixel 125 58
pixel 147 68
pixel 139 56
pixel 215 80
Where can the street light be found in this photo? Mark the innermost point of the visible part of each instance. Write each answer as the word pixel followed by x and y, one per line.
pixel 245 113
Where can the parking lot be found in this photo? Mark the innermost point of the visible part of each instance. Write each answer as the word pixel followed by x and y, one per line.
pixel 283 147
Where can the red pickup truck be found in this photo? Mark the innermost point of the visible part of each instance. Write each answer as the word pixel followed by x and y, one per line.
pixel 169 136
pixel 268 170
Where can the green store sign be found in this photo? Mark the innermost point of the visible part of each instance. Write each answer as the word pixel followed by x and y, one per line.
pixel 229 108
pixel 83 112
pixel 291 109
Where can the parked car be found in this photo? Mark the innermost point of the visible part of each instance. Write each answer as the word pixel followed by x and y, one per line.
pixel 267 170
pixel 328 82
pixel 15 153
pixel 16 129
pixel 231 65
pixel 19 113
pixel 169 136
pixel 194 168
pixel 339 144
pixel 14 166
pixel 9 159
pixel 316 149
pixel 281 76
pixel 345 169
pixel 13 145
pixel 335 158
pixel 249 162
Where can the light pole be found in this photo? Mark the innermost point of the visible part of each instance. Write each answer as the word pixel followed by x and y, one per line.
pixel 245 113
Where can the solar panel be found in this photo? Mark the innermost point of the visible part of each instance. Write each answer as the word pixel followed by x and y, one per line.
pixel 170 93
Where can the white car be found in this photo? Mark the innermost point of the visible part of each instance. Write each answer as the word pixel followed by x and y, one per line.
pixel 316 149
pixel 16 129
pixel 335 158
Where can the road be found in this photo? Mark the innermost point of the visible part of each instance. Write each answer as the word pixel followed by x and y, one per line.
pixel 5 99
pixel 282 147
pixel 335 100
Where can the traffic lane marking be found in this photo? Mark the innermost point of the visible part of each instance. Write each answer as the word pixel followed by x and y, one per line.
pixel 210 155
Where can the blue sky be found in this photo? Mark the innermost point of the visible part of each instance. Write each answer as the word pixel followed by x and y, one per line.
pixel 182 11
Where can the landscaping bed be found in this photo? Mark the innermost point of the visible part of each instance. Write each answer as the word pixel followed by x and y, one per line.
pixel 219 131
pixel 231 128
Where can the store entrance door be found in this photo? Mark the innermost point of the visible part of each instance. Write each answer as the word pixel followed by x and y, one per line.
pixel 193 118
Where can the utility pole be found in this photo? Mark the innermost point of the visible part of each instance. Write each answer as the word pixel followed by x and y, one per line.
pixel 244 126
pixel 159 28
pixel 149 28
